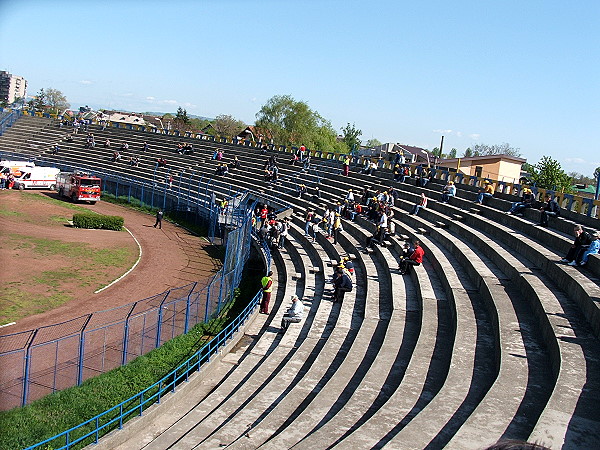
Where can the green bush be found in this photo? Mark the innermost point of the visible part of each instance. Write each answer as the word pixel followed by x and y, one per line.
pixel 88 220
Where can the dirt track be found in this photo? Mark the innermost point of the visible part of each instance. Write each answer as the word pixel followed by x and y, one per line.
pixel 171 257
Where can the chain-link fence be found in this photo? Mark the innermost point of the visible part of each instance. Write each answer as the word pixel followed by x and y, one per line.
pixel 51 358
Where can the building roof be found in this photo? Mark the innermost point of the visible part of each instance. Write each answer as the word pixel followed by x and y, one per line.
pixel 256 133
pixel 483 158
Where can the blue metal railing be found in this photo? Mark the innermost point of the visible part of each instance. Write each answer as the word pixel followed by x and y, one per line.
pixel 93 429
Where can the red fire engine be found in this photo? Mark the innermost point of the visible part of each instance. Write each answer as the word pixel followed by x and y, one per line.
pixel 78 186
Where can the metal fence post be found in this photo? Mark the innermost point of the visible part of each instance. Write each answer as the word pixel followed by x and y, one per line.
pixel 187 309
pixel 159 324
pixel 207 302
pixel 81 350
pixel 126 335
pixel 27 367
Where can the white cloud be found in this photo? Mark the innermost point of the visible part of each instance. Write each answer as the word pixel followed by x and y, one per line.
pixel 128 94
pixel 85 82
pixel 150 98
pixel 443 131
pixel 189 105
pixel 576 160
pixel 475 136
pixel 170 102
pixel 459 133
pixel 253 99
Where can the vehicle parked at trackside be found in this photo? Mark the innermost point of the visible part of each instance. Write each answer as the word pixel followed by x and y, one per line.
pixel 37 177
pixel 79 186
pixel 15 167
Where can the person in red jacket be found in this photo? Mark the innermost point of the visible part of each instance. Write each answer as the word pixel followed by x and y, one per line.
pixel 414 259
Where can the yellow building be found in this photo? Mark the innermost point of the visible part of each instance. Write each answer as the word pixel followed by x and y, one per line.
pixel 497 167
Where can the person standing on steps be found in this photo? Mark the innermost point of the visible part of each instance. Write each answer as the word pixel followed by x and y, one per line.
pixel 159 217
pixel 267 288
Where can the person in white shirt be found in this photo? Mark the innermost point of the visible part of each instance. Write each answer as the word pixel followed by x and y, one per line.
pixel 294 313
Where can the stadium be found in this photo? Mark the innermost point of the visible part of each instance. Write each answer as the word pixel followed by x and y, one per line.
pixel 491 338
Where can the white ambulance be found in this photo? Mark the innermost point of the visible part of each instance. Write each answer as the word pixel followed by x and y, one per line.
pixel 37 177
pixel 15 167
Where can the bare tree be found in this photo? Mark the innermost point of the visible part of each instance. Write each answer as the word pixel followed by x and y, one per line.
pixel 226 125
pixel 56 100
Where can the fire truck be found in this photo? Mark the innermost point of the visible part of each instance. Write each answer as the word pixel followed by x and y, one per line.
pixel 78 186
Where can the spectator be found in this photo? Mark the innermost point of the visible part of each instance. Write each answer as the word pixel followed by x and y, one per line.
pixel 342 283
pixel 398 173
pixel 550 209
pixel 414 259
pixel 527 201
pixel 346 166
pixel 422 203
pixel 116 156
pixel 336 227
pixel 486 192
pixel 146 147
pixel 55 149
pixel 308 219
pixel 582 241
pixel 267 288
pixel 293 314
pixel 235 164
pixel 107 143
pixel 124 146
pixel 301 190
pixel 284 228
pixel 592 249
pixel 448 192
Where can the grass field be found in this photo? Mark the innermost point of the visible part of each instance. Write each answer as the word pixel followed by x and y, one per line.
pixel 46 263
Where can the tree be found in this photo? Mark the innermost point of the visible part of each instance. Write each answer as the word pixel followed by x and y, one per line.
pixel 437 152
pixel 468 153
pixel 294 122
pixel 548 174
pixel 56 100
pixel 38 101
pixel 226 125
pixel 350 136
pixel 373 143
pixel 452 153
pixel 497 149
pixel 181 119
pixel 182 116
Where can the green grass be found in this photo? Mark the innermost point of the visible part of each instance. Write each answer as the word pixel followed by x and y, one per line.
pixel 10 213
pixel 110 257
pixel 16 303
pixel 62 410
pixel 53 201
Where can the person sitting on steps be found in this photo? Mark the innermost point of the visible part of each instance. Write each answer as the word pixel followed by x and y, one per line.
pixel 293 314
pixel 414 259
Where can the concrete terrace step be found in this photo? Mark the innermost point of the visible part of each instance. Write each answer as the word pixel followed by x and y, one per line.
pixel 333 395
pixel 312 370
pixel 252 400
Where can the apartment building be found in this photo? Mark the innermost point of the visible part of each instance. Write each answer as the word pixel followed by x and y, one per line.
pixel 12 87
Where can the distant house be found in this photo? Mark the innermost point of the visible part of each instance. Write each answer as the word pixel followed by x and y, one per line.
pixel 415 155
pixel 496 167
pixel 256 134
pixel 127 118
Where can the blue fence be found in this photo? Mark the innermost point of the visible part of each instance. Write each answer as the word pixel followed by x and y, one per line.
pixel 93 429
pixel 7 118
pixel 41 361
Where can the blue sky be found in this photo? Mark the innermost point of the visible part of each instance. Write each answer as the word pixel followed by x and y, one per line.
pixel 524 72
